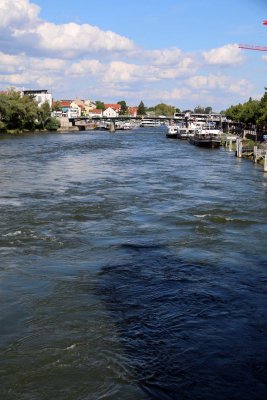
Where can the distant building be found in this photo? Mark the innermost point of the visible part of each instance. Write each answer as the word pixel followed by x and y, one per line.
pixel 80 104
pixel 95 113
pixel 115 107
pixel 110 113
pixel 89 106
pixel 132 111
pixel 40 96
pixel 67 108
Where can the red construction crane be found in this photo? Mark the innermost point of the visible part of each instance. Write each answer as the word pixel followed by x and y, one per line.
pixel 251 47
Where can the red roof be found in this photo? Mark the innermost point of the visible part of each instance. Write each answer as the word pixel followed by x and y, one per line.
pixel 96 111
pixel 115 107
pixel 132 111
pixel 79 103
pixel 65 103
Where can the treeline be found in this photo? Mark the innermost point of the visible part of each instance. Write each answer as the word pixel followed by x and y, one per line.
pixel 250 113
pixel 22 113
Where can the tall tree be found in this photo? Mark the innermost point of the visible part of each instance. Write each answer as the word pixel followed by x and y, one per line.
pixel 164 109
pixel 141 110
pixel 100 105
pixel 262 118
pixel 18 112
pixel 124 107
pixel 208 110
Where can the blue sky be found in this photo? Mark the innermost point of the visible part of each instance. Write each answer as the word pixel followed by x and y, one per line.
pixel 183 53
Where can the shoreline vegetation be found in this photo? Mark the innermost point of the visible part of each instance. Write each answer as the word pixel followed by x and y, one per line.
pixel 22 114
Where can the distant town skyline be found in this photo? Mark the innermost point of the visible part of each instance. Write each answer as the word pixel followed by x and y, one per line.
pixel 180 53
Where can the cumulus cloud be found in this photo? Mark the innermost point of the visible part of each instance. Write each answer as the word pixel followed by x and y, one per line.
pixel 20 25
pixel 209 81
pixel 122 71
pixel 125 72
pixel 175 94
pixel 241 87
pixel 17 13
pixel 220 83
pixel 20 70
pixel 172 62
pixel 74 39
pixel 86 67
pixel 165 56
pixel 229 54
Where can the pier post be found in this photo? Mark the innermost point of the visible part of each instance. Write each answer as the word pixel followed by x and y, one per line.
pixel 255 154
pixel 230 148
pixel 112 127
pixel 265 163
pixel 239 146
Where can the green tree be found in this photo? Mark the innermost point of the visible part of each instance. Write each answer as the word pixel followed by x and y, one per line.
pixel 124 107
pixel 234 112
pixel 202 110
pixel 56 106
pixel 208 110
pixel 44 113
pixel 262 117
pixel 52 124
pixel 100 105
pixel 141 110
pixel 164 109
pixel 199 110
pixel 21 112
pixel 250 112
pixel 18 112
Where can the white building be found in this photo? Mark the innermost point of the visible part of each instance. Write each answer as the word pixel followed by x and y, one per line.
pixel 40 96
pixel 110 113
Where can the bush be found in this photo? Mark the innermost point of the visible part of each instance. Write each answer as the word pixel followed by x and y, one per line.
pixel 2 127
pixel 52 124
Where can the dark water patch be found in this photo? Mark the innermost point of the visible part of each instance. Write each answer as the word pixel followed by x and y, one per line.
pixel 188 330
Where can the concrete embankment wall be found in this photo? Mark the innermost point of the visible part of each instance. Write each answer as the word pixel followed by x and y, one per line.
pixel 66 125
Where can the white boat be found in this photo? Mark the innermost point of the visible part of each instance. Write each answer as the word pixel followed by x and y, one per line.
pixel 181 131
pixel 206 137
pixel 149 123
pixel 172 132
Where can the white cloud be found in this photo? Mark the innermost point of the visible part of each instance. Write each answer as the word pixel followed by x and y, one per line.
pixel 17 13
pixel 175 94
pixel 219 84
pixel 165 56
pixel 241 87
pixel 229 54
pixel 47 64
pixel 119 71
pixel 86 67
pixel 209 81
pixel 77 39
pixel 20 25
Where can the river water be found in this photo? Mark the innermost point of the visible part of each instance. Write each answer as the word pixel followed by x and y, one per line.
pixel 133 267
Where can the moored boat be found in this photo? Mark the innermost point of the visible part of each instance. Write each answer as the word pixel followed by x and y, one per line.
pixel 173 132
pixel 210 138
pixel 149 123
